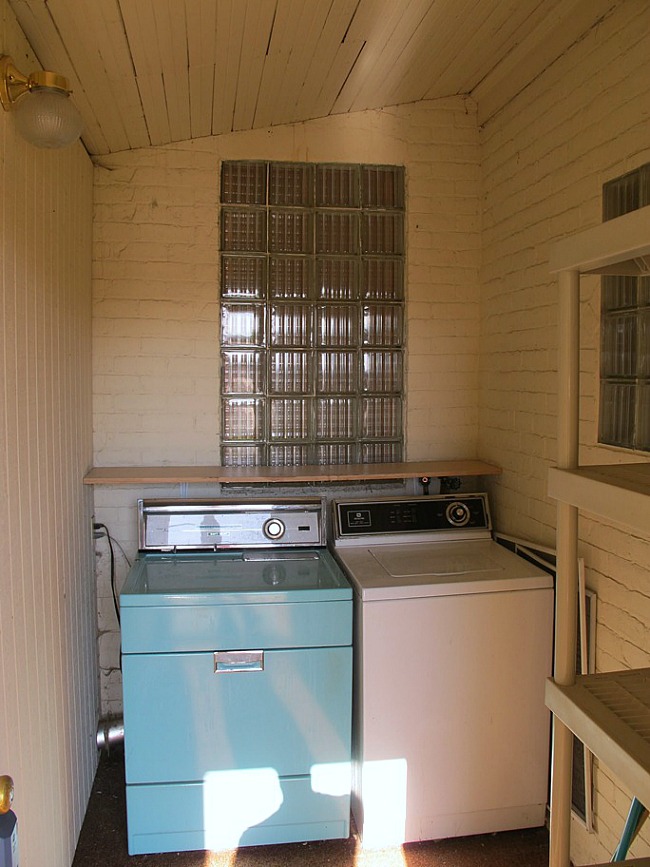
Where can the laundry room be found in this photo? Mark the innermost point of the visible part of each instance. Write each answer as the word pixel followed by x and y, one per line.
pixel 124 379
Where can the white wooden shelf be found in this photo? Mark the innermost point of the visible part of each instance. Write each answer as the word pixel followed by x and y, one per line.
pixel 610 714
pixel 620 246
pixel 635 862
pixel 618 493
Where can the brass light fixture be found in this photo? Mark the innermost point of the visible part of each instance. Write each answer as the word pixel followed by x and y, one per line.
pixel 45 115
pixel 6 793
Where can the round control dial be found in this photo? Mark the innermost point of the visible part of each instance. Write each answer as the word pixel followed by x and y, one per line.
pixel 458 514
pixel 273 528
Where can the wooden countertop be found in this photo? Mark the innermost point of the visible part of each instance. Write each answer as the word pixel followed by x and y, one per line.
pixel 288 475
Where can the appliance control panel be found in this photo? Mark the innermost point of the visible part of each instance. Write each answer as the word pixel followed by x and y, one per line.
pixel 428 514
pixel 207 525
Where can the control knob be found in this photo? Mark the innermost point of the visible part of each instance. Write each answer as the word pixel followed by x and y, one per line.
pixel 273 528
pixel 458 514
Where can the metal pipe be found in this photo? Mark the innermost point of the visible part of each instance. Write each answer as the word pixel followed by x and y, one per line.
pixel 110 733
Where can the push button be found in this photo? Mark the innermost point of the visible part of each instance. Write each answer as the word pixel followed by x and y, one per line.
pixel 273 528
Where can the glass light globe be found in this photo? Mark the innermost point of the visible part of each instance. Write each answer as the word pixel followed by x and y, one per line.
pixel 48 118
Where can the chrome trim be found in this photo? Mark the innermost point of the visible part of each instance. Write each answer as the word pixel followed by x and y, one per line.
pixel 236 661
pixel 181 506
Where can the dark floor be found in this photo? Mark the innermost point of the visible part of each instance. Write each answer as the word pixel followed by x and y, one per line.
pixel 103 842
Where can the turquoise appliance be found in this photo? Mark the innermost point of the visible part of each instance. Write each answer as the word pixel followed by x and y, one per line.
pixel 237 677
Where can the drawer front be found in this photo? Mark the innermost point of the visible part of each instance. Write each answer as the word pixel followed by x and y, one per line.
pixel 236 627
pixel 186 816
pixel 183 720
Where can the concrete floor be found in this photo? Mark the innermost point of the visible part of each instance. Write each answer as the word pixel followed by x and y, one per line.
pixel 103 842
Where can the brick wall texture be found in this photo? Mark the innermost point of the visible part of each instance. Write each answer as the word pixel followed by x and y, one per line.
pixel 544 159
pixel 156 283
pixel 484 204
pixel 156 291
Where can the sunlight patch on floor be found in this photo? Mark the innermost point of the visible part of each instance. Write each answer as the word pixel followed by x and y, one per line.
pixel 220 859
pixel 393 857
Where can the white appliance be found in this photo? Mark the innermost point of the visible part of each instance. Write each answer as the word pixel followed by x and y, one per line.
pixel 453 644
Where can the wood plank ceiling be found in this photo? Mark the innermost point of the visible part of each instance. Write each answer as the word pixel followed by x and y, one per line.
pixel 151 72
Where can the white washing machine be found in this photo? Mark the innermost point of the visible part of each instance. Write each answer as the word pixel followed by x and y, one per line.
pixel 453 643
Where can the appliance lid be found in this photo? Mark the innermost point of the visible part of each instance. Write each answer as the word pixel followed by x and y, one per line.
pixel 235 577
pixel 429 569
pixel 444 558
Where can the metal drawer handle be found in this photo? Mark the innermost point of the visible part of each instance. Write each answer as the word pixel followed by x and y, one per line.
pixel 238 660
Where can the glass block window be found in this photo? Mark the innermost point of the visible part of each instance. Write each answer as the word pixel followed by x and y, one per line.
pixel 312 313
pixel 624 415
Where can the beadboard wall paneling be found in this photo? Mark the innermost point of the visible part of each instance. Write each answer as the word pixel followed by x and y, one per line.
pixel 48 674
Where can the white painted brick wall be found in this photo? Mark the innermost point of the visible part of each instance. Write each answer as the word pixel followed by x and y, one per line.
pixel 156 289
pixel 544 159
pixel 156 313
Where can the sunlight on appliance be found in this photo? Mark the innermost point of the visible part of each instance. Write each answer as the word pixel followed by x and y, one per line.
pixel 237 800
pixel 331 779
pixel 384 802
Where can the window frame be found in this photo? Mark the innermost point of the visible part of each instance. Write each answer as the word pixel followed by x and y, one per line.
pixel 624 373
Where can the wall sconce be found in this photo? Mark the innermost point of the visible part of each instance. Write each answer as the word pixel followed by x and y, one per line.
pixel 45 115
